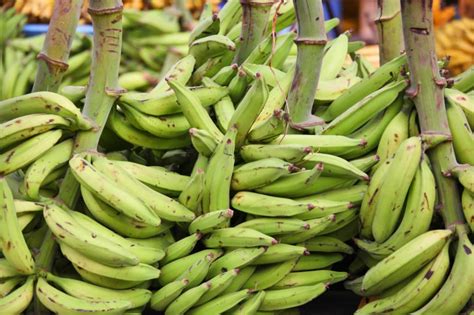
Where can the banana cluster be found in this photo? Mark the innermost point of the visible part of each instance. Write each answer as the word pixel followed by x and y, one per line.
pixel 456 40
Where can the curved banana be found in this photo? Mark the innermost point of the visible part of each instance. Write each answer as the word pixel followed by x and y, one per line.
pixel 463 138
pixel 218 284
pixel 181 248
pixel 303 278
pixel 275 226
pixel 237 237
pixel 326 244
pixel 292 297
pixel 24 127
pixel 140 272
pixel 106 282
pixel 209 47
pixel 27 151
pixel 465 101
pixel 317 261
pixel 161 205
pixel 333 166
pixel 13 244
pixel 197 272
pixel 334 57
pixel 269 129
pixel 238 86
pixel 62 303
pixel 279 253
pixel 112 192
pixel 187 300
pixel 291 152
pixel 18 300
pixel 167 294
pixel 468 208
pixel 393 192
pixel 405 261
pixel 52 159
pixel 316 226
pixel 267 276
pixel 192 193
pixel 250 306
pixel 211 221
pixel 43 102
pixel 7 285
pixel 221 304
pixel 238 258
pixel 353 194
pixel 86 291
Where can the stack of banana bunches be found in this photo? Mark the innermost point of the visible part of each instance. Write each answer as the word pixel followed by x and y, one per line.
pixel 202 200
pixel 156 33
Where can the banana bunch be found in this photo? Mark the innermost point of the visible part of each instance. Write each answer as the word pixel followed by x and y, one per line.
pixel 456 39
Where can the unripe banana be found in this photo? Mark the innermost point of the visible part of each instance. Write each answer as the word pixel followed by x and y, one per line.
pixel 303 278
pixel 192 193
pixel 326 244
pixel 43 102
pixel 203 141
pixel 18 300
pixel 353 194
pixel 62 303
pixel 330 144
pixel 333 166
pixel 90 292
pixel 218 284
pixel 237 237
pixel 103 281
pixel 186 300
pixel 465 101
pixel 392 193
pixel 468 208
pixel 112 192
pixel 405 261
pixel 181 248
pixel 291 152
pixel 316 227
pixel 275 226
pixel 250 306
pixel 259 173
pixel 463 138
pixel 334 57
pixel 7 285
pixel 225 75
pixel 211 221
pixel 237 87
pixel 13 244
pixel 209 47
pixel 221 304
pixel 317 261
pixel 279 253
pixel 167 294
pixel 267 276
pixel 237 258
pixel 267 130
pixel 197 272
pixel 27 151
pixel 288 298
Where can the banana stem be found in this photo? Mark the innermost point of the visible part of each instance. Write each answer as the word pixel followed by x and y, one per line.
pixel 52 60
pixel 389 29
pixel 426 90
pixel 255 15
pixel 101 95
pixel 310 41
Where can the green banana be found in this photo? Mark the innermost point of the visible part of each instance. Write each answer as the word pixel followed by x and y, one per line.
pixel 167 294
pixel 218 284
pixel 103 281
pixel 197 272
pixel 465 101
pixel 468 208
pixel 181 248
pixel 275 226
pixel 317 261
pixel 463 138
pixel 140 272
pixel 187 300
pixel 405 261
pixel 267 276
pixel 193 110
pixel 303 278
pixel 111 192
pixel 259 173
pixel 267 130
pixel 237 237
pixel 250 306
pixel 64 226
pixel 161 205
pixel 279 253
pixel 316 227
pixel 43 102
pixel 60 302
pixel 458 287
pixel 334 57
pixel 361 112
pixel 211 221
pixel 238 86
pixel 12 241
pixel 249 108
pixel 28 151
pixel 36 174
pixel 18 300
pixel 365 87
pixel 353 194
pixel 192 193
pixel 326 244
pixel 117 221
pixel 85 291
pixel 330 90
pixel 7 285
pixel 238 258
pixel 392 193
pixel 209 47
pixel 333 166
pixel 290 152
pixel 329 144
pixel 292 297
pixel 221 304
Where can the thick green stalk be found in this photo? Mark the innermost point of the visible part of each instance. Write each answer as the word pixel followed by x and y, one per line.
pixel 310 41
pixel 101 94
pixel 389 29
pixel 255 15
pixel 52 60
pixel 426 90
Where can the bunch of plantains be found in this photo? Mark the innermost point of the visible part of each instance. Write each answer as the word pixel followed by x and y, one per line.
pixel 262 169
